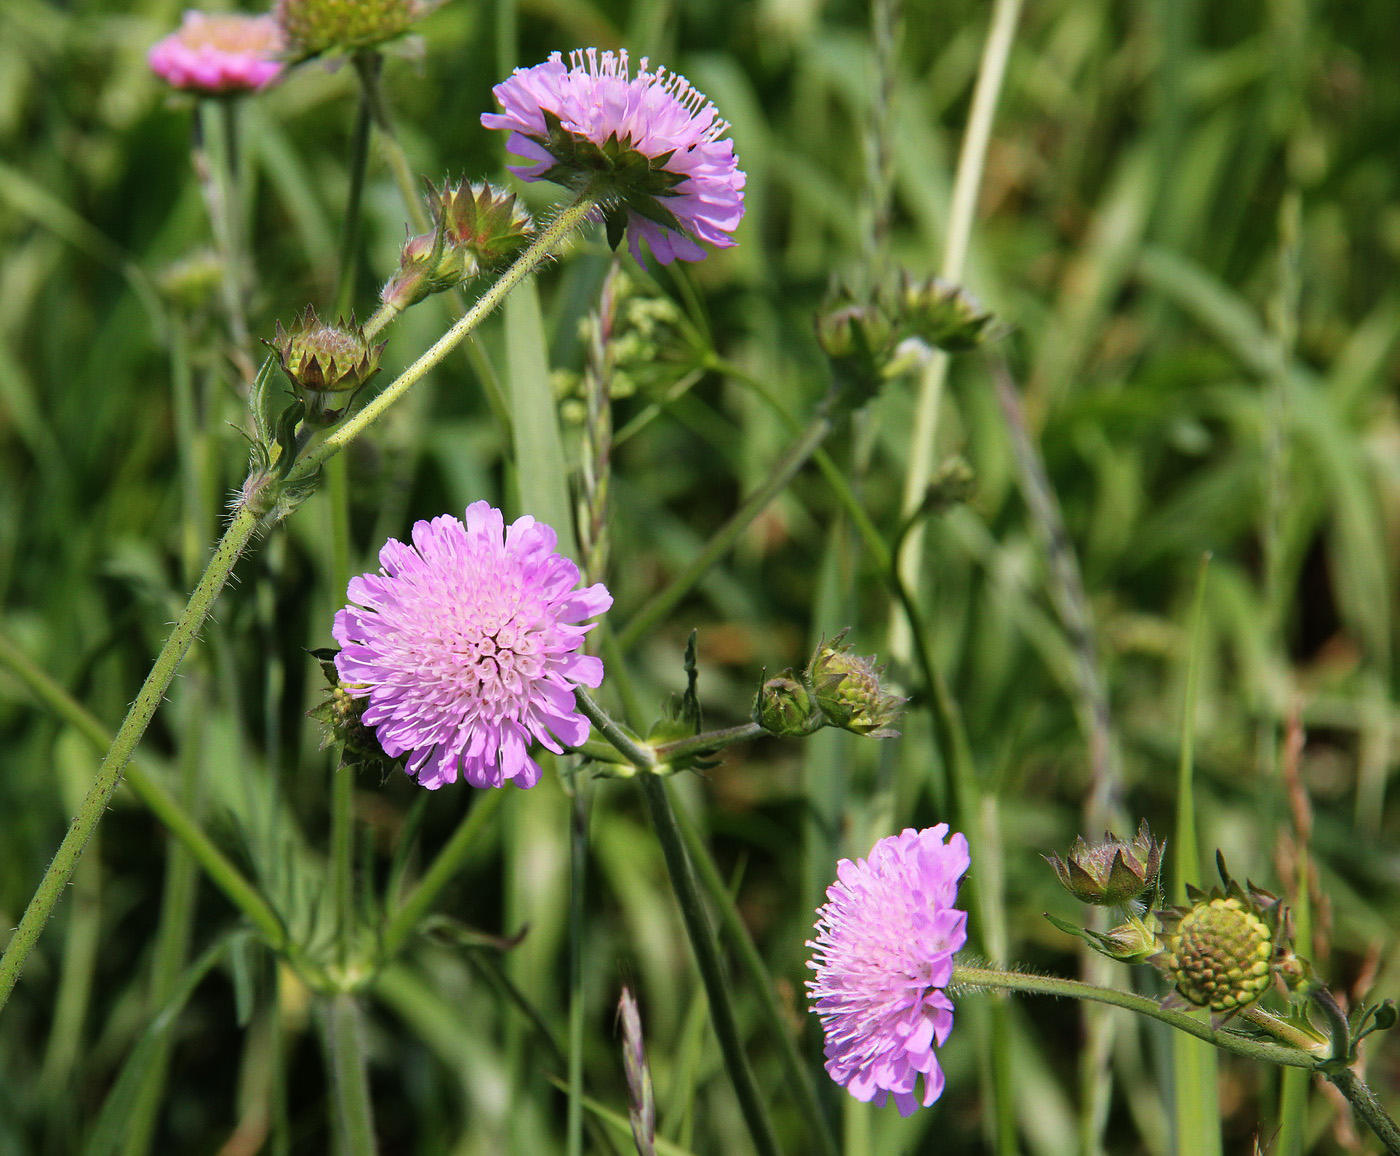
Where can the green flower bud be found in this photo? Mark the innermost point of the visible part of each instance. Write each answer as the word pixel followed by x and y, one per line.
pixel 311 27
pixel 477 225
pixel 940 313
pixel 326 364
pixel 783 707
pixel 1132 941
pixel 1225 950
pixel 1112 872
pixel 1218 955
pixel 847 689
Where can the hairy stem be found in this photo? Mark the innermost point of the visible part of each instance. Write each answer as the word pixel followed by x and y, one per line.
pixel 138 718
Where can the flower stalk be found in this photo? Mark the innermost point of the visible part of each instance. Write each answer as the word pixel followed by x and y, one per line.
pixel 138 718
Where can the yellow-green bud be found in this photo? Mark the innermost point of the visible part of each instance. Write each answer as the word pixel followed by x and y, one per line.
pixel 847 689
pixel 326 364
pixel 1219 955
pixel 311 27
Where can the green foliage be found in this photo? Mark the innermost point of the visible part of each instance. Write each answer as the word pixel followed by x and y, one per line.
pixel 1188 224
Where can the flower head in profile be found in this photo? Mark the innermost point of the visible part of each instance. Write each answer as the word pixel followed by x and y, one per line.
pixel 883 954
pixel 650 143
pixel 467 645
pixel 219 53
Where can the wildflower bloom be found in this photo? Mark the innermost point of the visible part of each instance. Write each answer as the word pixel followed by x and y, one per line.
pixel 652 141
pixel 219 53
pixel 466 644
pixel 883 954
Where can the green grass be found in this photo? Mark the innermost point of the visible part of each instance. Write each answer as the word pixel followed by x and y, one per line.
pixel 1188 226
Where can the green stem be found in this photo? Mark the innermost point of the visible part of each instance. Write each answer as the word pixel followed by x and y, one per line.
pixel 1227 1041
pixel 342 862
pixel 464 841
pixel 1364 1103
pixel 578 876
pixel 358 163
pixel 966 184
pixel 639 754
pixel 367 65
pixel 543 246
pixel 707 741
pixel 783 471
pixel 702 943
pixel 343 1040
pixel 215 170
pixel 761 984
pixel 138 718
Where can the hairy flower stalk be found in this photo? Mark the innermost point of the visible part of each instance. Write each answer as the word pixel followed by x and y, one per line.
pixel 883 954
pixel 650 143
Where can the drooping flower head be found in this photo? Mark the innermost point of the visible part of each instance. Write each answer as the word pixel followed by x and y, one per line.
pixel 467 646
pixel 883 954
pixel 651 139
pixel 219 53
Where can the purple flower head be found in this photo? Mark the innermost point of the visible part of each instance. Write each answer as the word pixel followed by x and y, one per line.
pixel 884 952
pixel 466 644
pixel 651 140
pixel 219 53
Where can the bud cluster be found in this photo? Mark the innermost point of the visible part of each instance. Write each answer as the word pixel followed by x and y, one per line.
pixel 313 27
pixel 868 339
pixel 475 226
pixel 837 688
pixel 326 364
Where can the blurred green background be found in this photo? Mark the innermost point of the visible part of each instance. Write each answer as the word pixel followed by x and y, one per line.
pixel 1189 225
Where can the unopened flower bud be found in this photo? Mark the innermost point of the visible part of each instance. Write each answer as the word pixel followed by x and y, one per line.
pixel 783 707
pixel 341 714
pixel 326 364
pixel 941 313
pixel 1132 941
pixel 477 225
pixel 847 689
pixel 1113 871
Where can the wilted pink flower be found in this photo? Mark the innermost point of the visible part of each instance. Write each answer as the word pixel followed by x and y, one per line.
pixel 651 140
pixel 884 952
pixel 466 644
pixel 219 53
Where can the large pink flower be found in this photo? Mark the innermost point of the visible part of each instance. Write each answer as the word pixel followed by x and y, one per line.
pixel 467 645
pixel 650 141
pixel 882 956
pixel 219 53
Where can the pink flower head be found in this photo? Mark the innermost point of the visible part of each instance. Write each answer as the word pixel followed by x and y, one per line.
pixel 650 139
pixel 219 53
pixel 466 645
pixel 884 952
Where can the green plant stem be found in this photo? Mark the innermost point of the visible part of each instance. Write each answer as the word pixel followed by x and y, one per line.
pixel 138 718
pixel 543 246
pixel 783 471
pixel 1364 1103
pixel 358 164
pixel 343 1040
pixel 702 943
pixel 967 183
pixel 578 878
pixel 760 983
pixel 1227 1041
pixel 368 67
pixel 449 861
pixel 707 741
pixel 638 753
pixel 216 171
pixel 144 784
